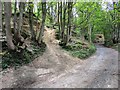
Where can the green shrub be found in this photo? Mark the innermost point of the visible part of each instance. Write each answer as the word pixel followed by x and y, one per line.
pixel 81 50
pixel 16 59
pixel 108 43
pixel 116 47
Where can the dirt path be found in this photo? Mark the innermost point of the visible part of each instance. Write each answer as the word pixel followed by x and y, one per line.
pixel 57 69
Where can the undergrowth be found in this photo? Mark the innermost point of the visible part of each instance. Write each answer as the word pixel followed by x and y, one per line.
pixel 81 50
pixel 17 59
pixel 116 47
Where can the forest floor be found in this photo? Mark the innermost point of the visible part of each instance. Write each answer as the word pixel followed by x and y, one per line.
pixel 57 69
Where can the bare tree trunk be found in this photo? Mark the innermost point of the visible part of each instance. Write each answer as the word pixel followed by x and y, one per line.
pixel 15 19
pixel 89 32
pixel 59 20
pixel 0 26
pixel 31 20
pixel 55 11
pixel 43 21
pixel 67 38
pixel 118 25
pixel 7 11
pixel 21 7
pixel 69 21
pixel 61 26
pixel 51 13
pixel 114 26
pixel 0 16
pixel 118 33
pixel 64 19
pixel 37 26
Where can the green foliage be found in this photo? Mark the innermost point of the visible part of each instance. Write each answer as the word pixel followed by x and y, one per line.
pixel 80 49
pixel 108 43
pixel 101 19
pixel 16 59
pixel 116 47
pixel 84 53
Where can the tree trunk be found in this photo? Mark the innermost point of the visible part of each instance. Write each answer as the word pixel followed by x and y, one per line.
pixel 0 16
pixel 43 21
pixel 61 26
pixel 0 25
pixel 69 21
pixel 20 24
pixel 118 32
pixel 64 19
pixel 114 26
pixel 7 11
pixel 59 20
pixel 118 25
pixel 89 32
pixel 51 13
pixel 67 38
pixel 15 19
pixel 37 26
pixel 31 20
pixel 55 11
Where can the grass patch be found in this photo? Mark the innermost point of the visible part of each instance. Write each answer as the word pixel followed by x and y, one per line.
pixel 17 59
pixel 81 50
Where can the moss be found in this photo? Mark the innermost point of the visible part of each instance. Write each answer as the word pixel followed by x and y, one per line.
pixel 16 59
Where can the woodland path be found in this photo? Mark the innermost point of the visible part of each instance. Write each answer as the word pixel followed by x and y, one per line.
pixel 57 69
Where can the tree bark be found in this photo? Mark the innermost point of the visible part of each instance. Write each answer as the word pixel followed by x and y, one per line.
pixel 64 19
pixel 15 19
pixel 115 33
pixel 55 11
pixel 0 16
pixel 89 32
pixel 71 4
pixel 51 12
pixel 9 38
pixel 43 21
pixel 59 20
pixel 0 25
pixel 20 23
pixel 69 21
pixel 61 25
pixel 31 20
pixel 37 26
